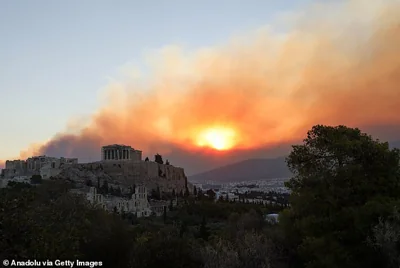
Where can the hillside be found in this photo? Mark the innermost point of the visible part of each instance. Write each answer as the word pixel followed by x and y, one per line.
pixel 248 170
pixel 252 169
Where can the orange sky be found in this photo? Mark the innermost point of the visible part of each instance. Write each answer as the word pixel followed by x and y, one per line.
pixel 339 66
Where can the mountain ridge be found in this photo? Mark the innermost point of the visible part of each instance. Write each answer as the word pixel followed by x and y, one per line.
pixel 252 169
pixel 246 170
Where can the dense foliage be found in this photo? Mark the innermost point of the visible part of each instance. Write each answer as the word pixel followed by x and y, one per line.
pixel 343 213
pixel 343 182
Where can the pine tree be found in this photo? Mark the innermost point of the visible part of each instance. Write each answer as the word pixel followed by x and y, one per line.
pixel 158 159
pixel 203 231
pixel 165 214
pixel 195 191
pixel 187 192
pixel 105 187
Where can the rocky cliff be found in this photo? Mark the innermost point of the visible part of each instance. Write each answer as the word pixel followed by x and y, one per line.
pixel 127 173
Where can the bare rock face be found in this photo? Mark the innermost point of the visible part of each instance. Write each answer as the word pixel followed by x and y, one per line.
pixel 127 173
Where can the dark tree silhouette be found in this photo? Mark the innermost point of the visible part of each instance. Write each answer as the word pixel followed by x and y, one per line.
pixel 36 179
pixel 343 180
pixel 158 159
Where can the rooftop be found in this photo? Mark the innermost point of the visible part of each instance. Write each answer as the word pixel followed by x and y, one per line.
pixel 116 145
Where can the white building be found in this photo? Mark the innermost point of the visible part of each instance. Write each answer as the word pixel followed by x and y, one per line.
pixel 272 218
pixel 138 204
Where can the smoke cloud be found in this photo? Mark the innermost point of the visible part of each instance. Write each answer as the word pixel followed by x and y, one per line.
pixel 338 64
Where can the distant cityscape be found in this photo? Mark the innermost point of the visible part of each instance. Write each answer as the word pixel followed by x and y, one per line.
pixel 267 185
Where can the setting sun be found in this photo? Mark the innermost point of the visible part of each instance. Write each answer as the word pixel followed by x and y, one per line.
pixel 218 138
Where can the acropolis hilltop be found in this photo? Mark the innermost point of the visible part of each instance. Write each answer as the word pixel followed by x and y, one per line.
pixel 120 164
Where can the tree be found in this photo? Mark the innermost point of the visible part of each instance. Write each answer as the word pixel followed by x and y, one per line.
pixel 111 190
pixel 147 159
pixel 343 181
pixel 104 187
pixel 167 163
pixel 165 215
pixel 158 159
pixel 211 194
pixel 187 192
pixel 118 191
pixel 386 238
pixel 47 221
pixel 156 193
pixel 203 231
pixel 195 191
pixel 36 179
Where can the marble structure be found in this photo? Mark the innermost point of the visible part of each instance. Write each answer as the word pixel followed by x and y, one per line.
pixel 138 204
pixel 120 152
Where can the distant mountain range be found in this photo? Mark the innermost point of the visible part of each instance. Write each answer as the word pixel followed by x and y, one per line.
pixel 247 170
pixel 251 169
pixel 395 144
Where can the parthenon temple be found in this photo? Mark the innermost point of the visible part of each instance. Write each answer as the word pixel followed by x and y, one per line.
pixel 120 152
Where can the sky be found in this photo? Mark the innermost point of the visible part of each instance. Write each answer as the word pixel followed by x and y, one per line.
pixel 180 76
pixel 56 56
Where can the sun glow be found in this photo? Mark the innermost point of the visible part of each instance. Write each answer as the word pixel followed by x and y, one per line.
pixel 218 138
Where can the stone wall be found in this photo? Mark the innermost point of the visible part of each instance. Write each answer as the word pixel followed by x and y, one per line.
pixel 40 165
pixel 127 173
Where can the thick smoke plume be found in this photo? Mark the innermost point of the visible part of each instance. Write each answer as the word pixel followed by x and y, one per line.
pixel 339 64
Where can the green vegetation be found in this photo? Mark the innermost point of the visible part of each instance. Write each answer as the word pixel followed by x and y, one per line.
pixel 343 212
pixel 36 179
